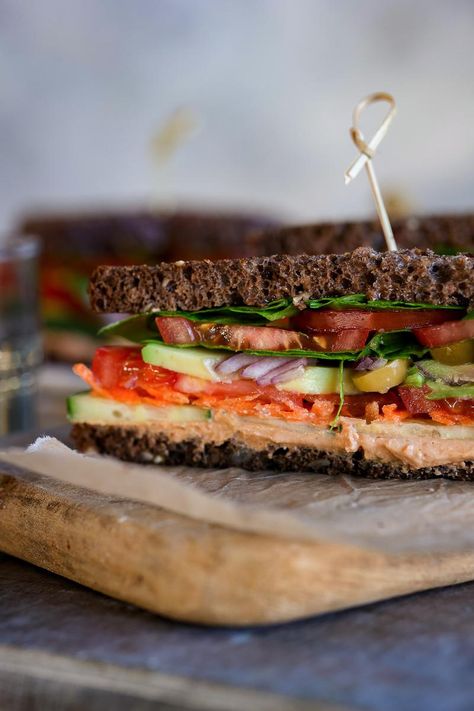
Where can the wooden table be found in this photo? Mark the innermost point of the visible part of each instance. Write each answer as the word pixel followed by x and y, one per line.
pixel 66 648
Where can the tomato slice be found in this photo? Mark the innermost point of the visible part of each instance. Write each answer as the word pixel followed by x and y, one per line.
pixel 123 367
pixel 109 362
pixel 178 330
pixel 448 332
pixel 415 400
pixel 345 340
pixel 336 319
pixel 445 411
pixel 237 388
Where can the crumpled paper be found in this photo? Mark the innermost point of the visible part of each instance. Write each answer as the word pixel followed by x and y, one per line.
pixel 431 516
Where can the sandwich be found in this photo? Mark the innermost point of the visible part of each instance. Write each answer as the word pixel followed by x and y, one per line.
pixel 358 363
pixel 444 234
pixel 73 244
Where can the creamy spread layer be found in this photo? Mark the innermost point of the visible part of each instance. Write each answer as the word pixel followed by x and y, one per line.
pixel 414 444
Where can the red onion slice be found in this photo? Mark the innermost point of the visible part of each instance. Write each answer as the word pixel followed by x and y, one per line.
pixel 286 371
pixel 370 363
pixel 232 365
pixel 288 375
pixel 263 366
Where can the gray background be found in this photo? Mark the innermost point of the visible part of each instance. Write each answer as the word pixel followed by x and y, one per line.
pixel 85 84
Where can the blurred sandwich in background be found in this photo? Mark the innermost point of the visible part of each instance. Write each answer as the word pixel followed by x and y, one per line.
pixel 444 234
pixel 74 244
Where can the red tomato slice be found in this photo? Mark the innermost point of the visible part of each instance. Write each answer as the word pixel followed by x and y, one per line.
pixel 336 320
pixel 176 329
pixel 237 388
pixel 448 332
pixel 416 402
pixel 123 366
pixel 346 340
pixel 259 338
pixel 108 363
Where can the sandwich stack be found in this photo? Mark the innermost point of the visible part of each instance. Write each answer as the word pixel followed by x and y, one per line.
pixel 358 363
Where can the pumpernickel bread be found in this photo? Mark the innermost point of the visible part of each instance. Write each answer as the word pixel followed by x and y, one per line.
pixel 156 447
pixel 406 275
pixel 446 234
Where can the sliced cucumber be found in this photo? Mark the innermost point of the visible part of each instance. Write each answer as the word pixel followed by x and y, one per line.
pixel 85 407
pixel 198 362
pixel 319 380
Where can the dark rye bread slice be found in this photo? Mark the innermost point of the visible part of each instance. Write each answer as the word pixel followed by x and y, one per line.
pixel 406 275
pixel 145 447
pixel 446 234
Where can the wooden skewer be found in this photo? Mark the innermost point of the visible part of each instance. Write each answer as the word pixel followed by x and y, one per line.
pixel 367 152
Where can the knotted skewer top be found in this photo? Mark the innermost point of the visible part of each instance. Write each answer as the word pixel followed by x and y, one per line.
pixel 366 154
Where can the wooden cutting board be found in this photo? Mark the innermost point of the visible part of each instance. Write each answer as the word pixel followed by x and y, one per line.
pixel 193 571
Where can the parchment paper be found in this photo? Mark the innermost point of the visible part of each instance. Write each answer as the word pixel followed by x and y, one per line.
pixel 429 516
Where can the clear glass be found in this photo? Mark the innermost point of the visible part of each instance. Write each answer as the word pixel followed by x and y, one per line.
pixel 20 338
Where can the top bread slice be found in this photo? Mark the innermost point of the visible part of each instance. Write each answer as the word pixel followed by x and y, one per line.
pixel 406 275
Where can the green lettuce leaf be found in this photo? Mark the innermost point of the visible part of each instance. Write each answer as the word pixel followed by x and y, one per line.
pixel 139 328
pixel 396 344
pixel 135 328
pixel 335 421
pixel 244 315
pixel 360 301
pixel 439 390
pixel 414 378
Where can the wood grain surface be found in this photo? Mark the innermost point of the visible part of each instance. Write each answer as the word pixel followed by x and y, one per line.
pixel 192 571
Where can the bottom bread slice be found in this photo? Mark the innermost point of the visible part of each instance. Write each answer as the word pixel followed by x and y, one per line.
pixel 142 445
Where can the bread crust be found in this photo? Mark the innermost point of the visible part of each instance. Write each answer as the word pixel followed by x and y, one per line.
pixel 406 275
pixel 156 447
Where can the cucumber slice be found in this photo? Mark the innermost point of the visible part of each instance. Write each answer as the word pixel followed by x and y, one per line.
pixel 198 362
pixel 85 407
pixel 320 380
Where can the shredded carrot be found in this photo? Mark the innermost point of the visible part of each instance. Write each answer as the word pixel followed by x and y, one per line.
pixel 87 376
pixel 372 411
pixel 390 413
pixel 448 418
pixel 323 410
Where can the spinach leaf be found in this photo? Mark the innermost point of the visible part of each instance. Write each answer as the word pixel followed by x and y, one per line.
pixel 439 391
pixel 140 327
pixel 244 315
pixel 360 301
pixel 396 344
pixel 135 328
pixel 335 421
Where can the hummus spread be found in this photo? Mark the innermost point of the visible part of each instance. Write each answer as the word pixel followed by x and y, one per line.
pixel 415 444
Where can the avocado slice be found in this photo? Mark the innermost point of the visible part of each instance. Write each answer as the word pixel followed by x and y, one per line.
pixel 198 362
pixel 447 374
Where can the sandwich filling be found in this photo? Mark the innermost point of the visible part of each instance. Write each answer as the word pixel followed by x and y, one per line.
pixel 393 379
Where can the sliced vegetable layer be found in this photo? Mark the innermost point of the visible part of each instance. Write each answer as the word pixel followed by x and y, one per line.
pixel 344 356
